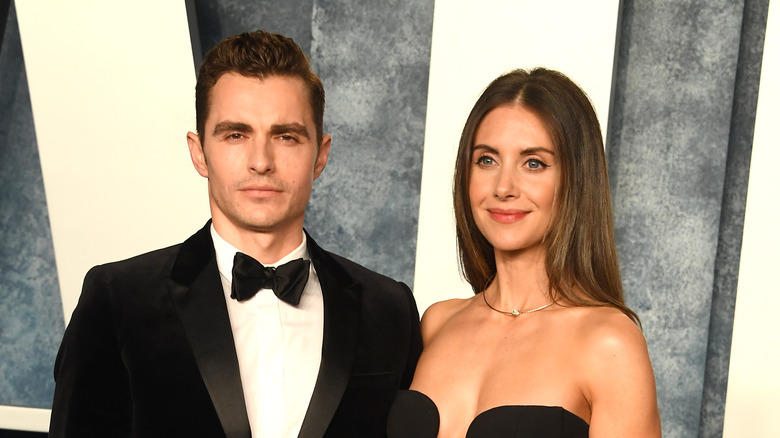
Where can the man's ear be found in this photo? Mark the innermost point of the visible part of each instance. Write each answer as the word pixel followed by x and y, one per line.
pixel 196 154
pixel 322 156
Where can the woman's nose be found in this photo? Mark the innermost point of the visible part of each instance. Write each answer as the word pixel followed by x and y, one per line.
pixel 506 184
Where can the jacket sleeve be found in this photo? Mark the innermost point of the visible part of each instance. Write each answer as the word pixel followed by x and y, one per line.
pixel 91 396
pixel 415 341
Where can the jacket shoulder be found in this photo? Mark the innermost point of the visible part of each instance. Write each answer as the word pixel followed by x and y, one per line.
pixel 180 260
pixel 155 263
pixel 366 276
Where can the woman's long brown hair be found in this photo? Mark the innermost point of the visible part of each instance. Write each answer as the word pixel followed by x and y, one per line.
pixel 581 259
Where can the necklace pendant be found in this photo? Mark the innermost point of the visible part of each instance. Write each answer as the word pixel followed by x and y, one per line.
pixel 515 312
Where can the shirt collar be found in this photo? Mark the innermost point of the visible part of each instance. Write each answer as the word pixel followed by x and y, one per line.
pixel 226 252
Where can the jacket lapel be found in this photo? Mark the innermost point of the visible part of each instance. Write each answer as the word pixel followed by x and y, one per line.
pixel 341 302
pixel 196 291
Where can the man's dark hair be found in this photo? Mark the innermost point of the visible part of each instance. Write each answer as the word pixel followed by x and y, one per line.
pixel 259 55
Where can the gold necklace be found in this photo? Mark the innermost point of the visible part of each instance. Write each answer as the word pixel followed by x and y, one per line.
pixel 514 312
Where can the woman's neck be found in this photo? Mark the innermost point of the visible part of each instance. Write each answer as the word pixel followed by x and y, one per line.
pixel 521 281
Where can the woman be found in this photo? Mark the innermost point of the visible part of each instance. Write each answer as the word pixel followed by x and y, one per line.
pixel 546 347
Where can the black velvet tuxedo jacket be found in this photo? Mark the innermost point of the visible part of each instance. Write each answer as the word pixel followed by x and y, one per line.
pixel 149 350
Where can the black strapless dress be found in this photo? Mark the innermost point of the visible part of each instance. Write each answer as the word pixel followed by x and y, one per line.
pixel 414 415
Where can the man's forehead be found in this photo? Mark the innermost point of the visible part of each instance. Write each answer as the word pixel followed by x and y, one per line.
pixel 235 76
pixel 281 99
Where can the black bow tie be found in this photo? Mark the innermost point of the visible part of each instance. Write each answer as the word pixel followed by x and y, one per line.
pixel 287 280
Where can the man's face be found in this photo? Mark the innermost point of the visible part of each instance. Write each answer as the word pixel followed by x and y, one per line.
pixel 260 154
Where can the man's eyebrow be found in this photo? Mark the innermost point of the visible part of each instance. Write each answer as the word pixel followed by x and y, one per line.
pixel 228 126
pixel 293 128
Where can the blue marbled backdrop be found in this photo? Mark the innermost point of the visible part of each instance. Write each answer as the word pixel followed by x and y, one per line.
pixel 373 59
pixel 676 126
pixel 679 141
pixel 31 322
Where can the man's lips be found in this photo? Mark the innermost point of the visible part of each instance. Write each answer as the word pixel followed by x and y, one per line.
pixel 506 216
pixel 260 190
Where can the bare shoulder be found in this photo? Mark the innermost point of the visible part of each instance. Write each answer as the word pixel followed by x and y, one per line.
pixel 610 344
pixel 607 331
pixel 437 315
pixel 618 376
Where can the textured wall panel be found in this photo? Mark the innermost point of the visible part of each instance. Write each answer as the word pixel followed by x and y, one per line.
pixel 673 141
pixel 31 322
pixel 732 217
pixel 373 58
pixel 667 147
pixel 373 61
pixel 222 18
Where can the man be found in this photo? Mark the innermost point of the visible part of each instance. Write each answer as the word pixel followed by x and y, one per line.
pixel 191 340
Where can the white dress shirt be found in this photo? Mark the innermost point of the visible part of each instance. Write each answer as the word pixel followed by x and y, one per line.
pixel 279 347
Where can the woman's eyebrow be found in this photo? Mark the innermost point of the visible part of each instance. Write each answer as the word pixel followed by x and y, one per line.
pixel 526 151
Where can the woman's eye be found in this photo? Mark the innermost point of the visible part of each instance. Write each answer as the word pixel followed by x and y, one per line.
pixel 485 160
pixel 535 164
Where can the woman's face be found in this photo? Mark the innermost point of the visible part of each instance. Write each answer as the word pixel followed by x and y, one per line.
pixel 514 177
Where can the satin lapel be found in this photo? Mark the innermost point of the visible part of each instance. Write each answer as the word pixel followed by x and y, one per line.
pixel 197 293
pixel 341 300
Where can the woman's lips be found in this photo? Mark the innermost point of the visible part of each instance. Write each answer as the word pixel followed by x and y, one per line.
pixel 507 216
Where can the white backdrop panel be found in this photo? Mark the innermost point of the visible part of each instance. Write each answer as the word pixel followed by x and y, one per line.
pixel 112 91
pixel 753 394
pixel 474 42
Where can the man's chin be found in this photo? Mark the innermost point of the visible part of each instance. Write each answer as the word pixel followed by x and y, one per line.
pixel 259 222
pixel 269 225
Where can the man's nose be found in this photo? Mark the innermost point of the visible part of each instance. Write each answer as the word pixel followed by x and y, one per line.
pixel 260 156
